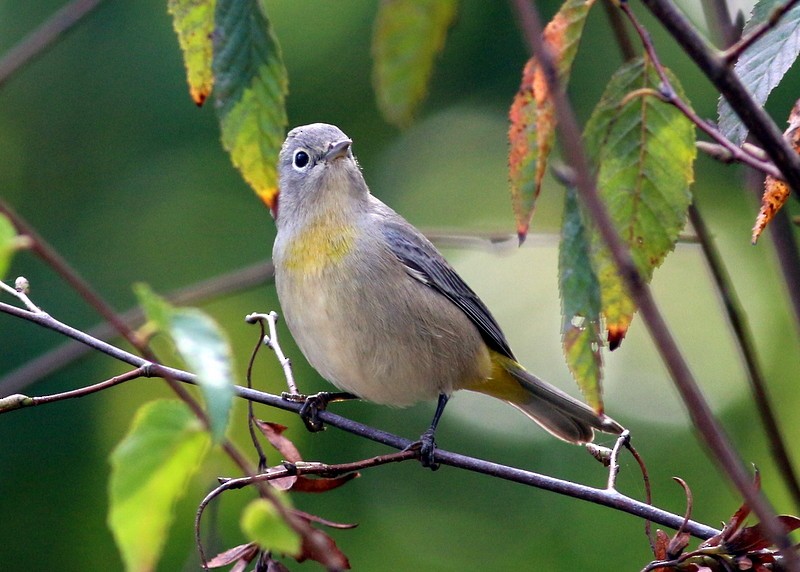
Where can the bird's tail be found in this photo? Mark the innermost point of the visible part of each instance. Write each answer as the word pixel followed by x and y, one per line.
pixel 560 414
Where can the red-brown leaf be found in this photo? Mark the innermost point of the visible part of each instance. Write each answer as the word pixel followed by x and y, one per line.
pixel 242 553
pixel 274 434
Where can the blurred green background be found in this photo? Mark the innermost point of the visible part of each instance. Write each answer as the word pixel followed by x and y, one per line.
pixel 102 150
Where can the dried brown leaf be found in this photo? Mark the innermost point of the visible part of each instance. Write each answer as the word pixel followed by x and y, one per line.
pixel 242 553
pixel 274 434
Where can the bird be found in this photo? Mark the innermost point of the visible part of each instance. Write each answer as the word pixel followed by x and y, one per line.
pixel 377 310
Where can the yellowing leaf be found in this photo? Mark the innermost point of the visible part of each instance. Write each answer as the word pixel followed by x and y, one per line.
pixel 644 151
pixel 150 469
pixel 408 36
pixel 580 305
pixel 193 21
pixel 263 524
pixel 776 191
pixel 532 116
pixel 251 87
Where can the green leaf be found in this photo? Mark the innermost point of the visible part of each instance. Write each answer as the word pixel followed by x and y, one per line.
pixel 762 65
pixel 251 87
pixel 580 305
pixel 193 21
pixel 203 346
pixel 532 115
pixel 150 469
pixel 205 349
pixel 156 309
pixel 408 36
pixel 8 244
pixel 645 152
pixel 263 524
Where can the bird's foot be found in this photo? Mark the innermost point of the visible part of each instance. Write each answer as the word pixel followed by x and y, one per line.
pixel 313 404
pixel 426 445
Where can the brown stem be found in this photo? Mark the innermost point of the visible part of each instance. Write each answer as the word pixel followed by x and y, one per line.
pixel 698 408
pixel 43 37
pixel 744 339
pixel 732 54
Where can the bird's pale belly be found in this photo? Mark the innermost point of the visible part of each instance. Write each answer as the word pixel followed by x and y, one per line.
pixel 376 343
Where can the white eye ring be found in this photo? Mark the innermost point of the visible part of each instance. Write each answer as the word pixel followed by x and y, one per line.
pixel 301 160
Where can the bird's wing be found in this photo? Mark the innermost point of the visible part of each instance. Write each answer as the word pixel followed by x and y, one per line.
pixel 424 263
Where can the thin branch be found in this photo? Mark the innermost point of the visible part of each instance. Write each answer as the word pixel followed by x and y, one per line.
pixel 744 339
pixel 718 17
pixel 223 285
pixel 271 341
pixel 603 497
pixel 669 95
pixel 44 37
pixel 698 408
pixel 732 54
pixel 620 32
pixel 730 87
pixel 18 401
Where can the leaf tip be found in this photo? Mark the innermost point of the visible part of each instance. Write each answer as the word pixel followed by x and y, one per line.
pixel 615 336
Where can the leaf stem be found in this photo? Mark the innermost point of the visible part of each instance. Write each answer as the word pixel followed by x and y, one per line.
pixel 685 382
pixel 731 54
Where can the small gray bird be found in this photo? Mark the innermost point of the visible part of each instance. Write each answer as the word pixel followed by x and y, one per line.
pixel 379 312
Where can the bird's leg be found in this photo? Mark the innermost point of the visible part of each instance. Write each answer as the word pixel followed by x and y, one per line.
pixel 427 442
pixel 313 404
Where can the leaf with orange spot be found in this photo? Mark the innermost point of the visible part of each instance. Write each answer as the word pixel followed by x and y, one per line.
pixel 644 151
pixel 776 191
pixel 250 87
pixel 193 21
pixel 532 116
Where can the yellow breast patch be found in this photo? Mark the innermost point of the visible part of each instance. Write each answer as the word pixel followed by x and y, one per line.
pixel 323 243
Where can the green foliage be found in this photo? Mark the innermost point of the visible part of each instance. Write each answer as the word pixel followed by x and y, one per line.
pixel 204 347
pixel 763 64
pixel 408 36
pixel 645 152
pixel 150 469
pixel 264 525
pixel 8 244
pixel 580 304
pixel 250 89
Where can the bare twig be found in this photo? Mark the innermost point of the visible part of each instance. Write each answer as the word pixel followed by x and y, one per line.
pixel 669 95
pixel 744 339
pixel 730 87
pixel 218 286
pixel 620 33
pixel 251 418
pixel 20 292
pixel 271 341
pixel 603 496
pixel 732 54
pixel 43 37
pixel 719 19
pixel 613 465
pixel 698 408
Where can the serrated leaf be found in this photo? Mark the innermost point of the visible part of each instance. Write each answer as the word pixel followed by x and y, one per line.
pixel 408 36
pixel 251 86
pixel 205 349
pixel 580 305
pixel 202 345
pixel 762 65
pixel 776 192
pixel 263 524
pixel 644 151
pixel 150 469
pixel 532 115
pixel 8 244
pixel 193 21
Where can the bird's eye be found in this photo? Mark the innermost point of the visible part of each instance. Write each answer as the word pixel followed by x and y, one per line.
pixel 301 159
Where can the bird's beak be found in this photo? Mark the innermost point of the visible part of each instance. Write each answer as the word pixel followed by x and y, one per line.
pixel 338 150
